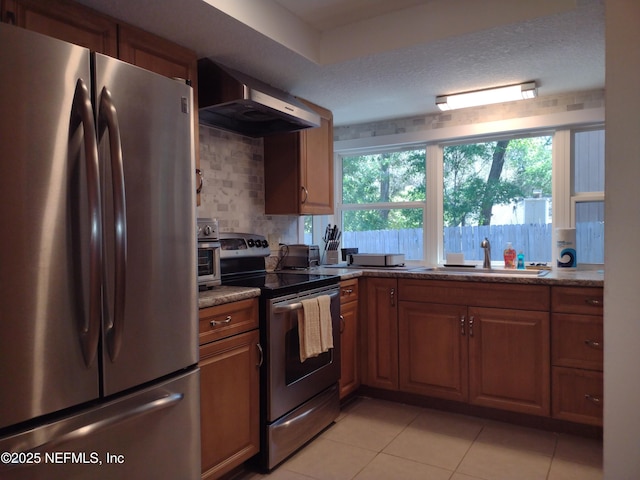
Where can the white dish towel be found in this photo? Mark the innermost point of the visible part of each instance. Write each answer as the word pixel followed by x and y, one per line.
pixel 314 327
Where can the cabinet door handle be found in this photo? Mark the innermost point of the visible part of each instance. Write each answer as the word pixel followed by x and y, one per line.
pixel 261 352
pixel 593 399
pixel 593 344
pixel 595 302
pixel 471 320
pixel 222 322
pixel 306 194
pixel 342 324
pixel 462 320
pixel 392 295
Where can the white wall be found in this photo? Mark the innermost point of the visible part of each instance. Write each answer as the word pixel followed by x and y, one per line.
pixel 622 248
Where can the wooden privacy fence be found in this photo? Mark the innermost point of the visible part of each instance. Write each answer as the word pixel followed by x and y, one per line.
pixel 534 240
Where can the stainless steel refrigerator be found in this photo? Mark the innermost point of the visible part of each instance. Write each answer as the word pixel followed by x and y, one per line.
pixel 98 305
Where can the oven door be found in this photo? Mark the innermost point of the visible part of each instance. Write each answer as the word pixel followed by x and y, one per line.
pixel 290 382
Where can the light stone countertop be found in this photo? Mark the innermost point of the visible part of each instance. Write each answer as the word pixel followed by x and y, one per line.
pixel 571 278
pixel 577 278
pixel 225 294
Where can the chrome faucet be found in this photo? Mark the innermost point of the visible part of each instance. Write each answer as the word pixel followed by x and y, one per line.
pixel 487 253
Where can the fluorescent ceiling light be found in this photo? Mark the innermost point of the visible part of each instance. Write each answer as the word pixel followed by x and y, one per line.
pixel 510 93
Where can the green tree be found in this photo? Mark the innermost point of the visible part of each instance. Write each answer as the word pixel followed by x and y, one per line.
pixel 384 178
pixel 480 175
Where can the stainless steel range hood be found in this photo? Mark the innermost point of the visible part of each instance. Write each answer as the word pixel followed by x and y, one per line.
pixel 233 101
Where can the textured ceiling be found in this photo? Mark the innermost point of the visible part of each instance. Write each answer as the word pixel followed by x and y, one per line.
pixel 369 60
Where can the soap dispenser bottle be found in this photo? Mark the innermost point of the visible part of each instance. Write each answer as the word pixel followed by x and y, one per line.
pixel 521 261
pixel 509 256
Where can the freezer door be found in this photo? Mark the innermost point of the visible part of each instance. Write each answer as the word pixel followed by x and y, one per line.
pixel 149 223
pixel 47 351
pixel 152 434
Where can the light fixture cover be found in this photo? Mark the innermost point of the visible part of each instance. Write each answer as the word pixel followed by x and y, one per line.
pixel 509 93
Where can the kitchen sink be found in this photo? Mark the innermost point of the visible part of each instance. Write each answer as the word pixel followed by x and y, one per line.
pixel 503 272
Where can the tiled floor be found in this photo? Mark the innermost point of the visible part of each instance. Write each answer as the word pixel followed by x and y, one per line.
pixel 381 440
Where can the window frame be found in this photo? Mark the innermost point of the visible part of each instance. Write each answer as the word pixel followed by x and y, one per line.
pixel 340 207
pixel 560 126
pixel 582 197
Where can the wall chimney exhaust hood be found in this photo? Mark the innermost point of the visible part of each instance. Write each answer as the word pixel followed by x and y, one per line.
pixel 236 102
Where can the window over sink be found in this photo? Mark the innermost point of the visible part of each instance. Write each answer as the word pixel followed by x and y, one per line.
pixel 409 200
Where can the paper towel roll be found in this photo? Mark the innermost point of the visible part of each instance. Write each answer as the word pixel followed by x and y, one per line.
pixel 566 248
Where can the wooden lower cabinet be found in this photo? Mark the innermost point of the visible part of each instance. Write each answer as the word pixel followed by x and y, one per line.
pixel 433 350
pixel 380 333
pixel 577 395
pixel 577 354
pixel 229 387
pixel 473 343
pixel 485 356
pixel 509 360
pixel 349 355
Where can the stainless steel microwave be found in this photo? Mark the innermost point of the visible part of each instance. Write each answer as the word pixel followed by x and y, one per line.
pixel 208 264
pixel 208 254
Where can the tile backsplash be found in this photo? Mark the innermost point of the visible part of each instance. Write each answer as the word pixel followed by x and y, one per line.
pixel 233 190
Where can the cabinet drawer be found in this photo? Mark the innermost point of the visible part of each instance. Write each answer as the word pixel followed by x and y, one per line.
pixel 577 395
pixel 229 319
pixel 576 341
pixel 587 300
pixel 348 291
pixel 499 295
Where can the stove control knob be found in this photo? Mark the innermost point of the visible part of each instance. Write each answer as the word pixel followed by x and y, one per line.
pixel 265 244
pixel 256 243
pixel 250 242
pixel 207 230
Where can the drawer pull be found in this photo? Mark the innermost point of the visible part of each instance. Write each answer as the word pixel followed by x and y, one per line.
pixel 591 398
pixel 593 344
pixel 595 302
pixel 347 291
pixel 223 322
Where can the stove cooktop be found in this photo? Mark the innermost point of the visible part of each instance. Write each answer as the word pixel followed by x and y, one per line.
pixel 283 283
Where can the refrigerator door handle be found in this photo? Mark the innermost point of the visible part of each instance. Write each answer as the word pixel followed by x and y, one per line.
pixel 108 122
pixel 82 115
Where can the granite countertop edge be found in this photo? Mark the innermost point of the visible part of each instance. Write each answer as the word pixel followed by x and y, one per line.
pixel 575 278
pixel 578 278
pixel 225 294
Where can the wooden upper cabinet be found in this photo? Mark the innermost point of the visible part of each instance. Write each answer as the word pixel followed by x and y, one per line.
pixel 65 20
pixel 157 54
pixel 299 169
pixel 80 25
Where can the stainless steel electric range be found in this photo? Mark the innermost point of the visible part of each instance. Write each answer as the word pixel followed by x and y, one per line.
pixel 298 399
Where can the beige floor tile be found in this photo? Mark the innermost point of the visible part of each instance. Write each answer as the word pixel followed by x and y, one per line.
pixel 565 470
pixel 586 451
pixel 372 424
pixel 386 467
pixel 328 460
pixel 499 462
pixel 277 474
pixel 436 438
pixel 517 437
pixel 462 476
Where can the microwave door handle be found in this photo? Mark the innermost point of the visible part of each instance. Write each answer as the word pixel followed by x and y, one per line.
pixel 82 115
pixel 108 121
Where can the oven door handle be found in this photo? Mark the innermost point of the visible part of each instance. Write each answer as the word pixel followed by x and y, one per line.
pixel 292 307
